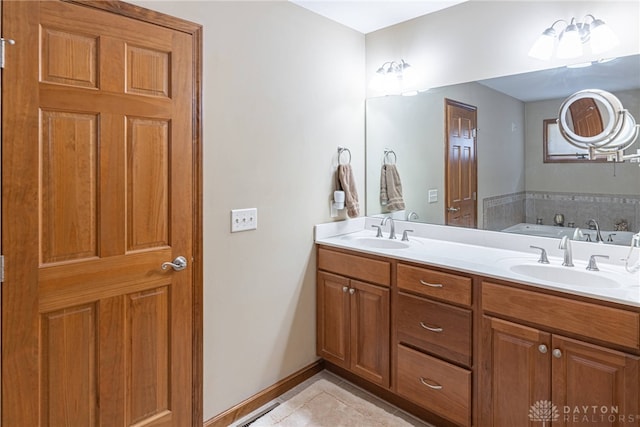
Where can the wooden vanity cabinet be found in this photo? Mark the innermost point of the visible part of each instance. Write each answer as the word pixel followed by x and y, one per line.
pixel 523 365
pixel 433 341
pixel 353 315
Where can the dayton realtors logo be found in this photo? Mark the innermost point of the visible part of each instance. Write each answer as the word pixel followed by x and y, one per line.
pixel 545 411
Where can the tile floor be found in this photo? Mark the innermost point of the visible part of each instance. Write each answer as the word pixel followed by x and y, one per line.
pixel 355 390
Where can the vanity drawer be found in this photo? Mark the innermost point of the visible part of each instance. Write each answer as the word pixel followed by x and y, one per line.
pixel 434 327
pixel 438 386
pixel 436 284
pixel 590 320
pixel 357 267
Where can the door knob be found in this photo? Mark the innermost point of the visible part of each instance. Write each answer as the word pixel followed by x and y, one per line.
pixel 452 209
pixel 542 348
pixel 178 264
pixel 557 353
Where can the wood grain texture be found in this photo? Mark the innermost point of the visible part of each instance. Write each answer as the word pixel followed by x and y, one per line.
pixel 443 286
pixel 514 373
pixel 83 187
pixel 593 321
pixel 452 400
pixel 369 341
pixel 594 376
pixel 353 266
pixel 333 324
pixel 450 333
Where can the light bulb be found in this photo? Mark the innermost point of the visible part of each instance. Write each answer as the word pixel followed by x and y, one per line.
pixel 602 37
pixel 570 45
pixel 543 47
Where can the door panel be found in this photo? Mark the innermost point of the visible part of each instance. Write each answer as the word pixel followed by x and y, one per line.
pixel 101 176
pixel 586 375
pixel 512 350
pixel 370 332
pixel 461 179
pixel 333 318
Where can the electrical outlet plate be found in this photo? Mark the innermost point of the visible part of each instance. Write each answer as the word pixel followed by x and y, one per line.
pixel 244 219
pixel 433 196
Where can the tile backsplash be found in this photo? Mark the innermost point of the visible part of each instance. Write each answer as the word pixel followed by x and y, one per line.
pixel 503 211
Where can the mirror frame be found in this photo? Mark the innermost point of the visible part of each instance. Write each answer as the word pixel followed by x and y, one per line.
pixel 570 156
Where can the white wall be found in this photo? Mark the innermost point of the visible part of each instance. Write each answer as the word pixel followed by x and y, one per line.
pixel 482 39
pixel 283 88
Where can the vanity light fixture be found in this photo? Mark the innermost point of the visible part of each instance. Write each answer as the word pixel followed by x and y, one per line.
pixel 392 77
pixel 570 41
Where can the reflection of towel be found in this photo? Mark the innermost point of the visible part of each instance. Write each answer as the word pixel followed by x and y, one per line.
pixel 391 188
pixel 348 185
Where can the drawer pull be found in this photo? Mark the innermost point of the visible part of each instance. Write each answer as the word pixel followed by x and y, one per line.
pixel 432 285
pixel 431 386
pixel 431 328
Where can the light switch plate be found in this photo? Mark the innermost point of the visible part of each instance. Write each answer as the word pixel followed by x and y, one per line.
pixel 433 196
pixel 244 219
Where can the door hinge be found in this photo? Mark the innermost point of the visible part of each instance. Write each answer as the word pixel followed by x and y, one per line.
pixel 3 43
pixel 1 268
pixel 474 133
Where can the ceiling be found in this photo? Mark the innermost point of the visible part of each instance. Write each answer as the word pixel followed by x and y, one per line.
pixel 616 75
pixel 366 16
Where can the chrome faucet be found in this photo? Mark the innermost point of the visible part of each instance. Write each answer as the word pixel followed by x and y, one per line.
pixel 565 244
pixel 412 215
pixel 392 228
pixel 598 235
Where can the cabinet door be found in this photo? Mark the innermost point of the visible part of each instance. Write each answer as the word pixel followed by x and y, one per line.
pixel 370 332
pixel 333 318
pixel 594 385
pixel 515 372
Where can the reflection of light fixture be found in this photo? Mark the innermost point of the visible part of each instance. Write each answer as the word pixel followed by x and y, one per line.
pixel 573 37
pixel 393 77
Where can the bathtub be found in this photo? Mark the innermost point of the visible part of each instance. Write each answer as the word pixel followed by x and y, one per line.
pixel 611 237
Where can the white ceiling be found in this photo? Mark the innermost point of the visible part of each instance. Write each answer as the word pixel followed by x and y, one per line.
pixel 366 16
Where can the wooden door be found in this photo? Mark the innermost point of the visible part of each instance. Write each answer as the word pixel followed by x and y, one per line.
pixel 98 192
pixel 460 172
pixel 594 377
pixel 333 318
pixel 515 372
pixel 370 332
pixel 586 117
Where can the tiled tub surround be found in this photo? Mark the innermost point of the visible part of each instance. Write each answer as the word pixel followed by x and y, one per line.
pixel 488 253
pixel 500 212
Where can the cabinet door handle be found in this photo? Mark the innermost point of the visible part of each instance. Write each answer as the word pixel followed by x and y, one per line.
pixel 557 353
pixel 432 285
pixel 542 348
pixel 352 291
pixel 345 288
pixel 431 328
pixel 434 386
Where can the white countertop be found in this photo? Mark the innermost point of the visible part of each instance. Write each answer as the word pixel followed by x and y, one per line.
pixel 494 254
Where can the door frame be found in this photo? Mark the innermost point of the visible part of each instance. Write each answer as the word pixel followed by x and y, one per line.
pixel 195 31
pixel 447 142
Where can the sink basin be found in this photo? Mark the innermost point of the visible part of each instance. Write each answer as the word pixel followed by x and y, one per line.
pixel 566 275
pixel 380 243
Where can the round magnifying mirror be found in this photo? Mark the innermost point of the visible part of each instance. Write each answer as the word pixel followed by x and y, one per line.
pixel 595 118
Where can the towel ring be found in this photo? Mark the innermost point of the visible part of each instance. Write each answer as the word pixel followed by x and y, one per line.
pixel 342 150
pixel 385 157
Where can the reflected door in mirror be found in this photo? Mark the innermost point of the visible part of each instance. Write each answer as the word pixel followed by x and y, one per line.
pixel 586 117
pixel 460 174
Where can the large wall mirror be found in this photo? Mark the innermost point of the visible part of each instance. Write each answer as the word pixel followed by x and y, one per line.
pixel 517 190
